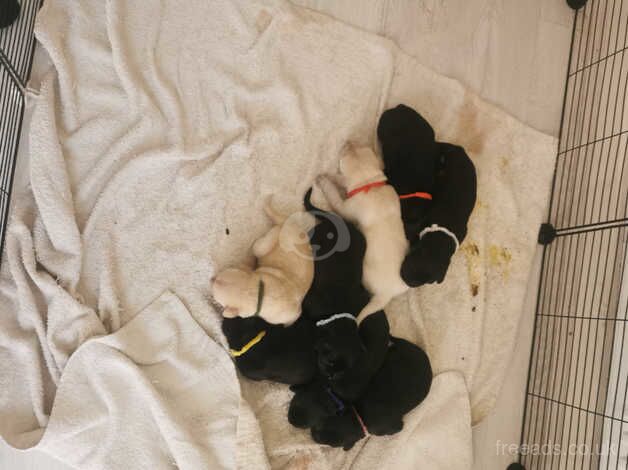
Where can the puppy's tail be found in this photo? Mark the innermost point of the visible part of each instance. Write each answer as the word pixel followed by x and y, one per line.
pixel 376 304
pixel 311 208
pixel 307 202
pixel 275 216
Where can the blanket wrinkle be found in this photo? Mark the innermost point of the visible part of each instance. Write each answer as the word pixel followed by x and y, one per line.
pixel 154 141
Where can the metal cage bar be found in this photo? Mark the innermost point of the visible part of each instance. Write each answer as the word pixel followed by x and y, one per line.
pixel 17 46
pixel 577 381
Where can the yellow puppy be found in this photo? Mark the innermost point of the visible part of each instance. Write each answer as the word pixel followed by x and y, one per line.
pixel 275 290
pixel 374 207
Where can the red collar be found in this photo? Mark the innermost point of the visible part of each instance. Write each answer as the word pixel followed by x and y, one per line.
pixel 366 188
pixel 419 195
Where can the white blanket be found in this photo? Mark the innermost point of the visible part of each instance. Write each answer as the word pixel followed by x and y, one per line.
pixel 152 145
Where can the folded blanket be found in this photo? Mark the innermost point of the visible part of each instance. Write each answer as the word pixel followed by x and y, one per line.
pixel 157 392
pixel 153 143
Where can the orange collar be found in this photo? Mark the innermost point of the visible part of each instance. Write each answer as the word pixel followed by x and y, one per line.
pixel 418 195
pixel 366 188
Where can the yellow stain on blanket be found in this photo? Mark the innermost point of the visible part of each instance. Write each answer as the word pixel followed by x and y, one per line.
pixel 263 21
pixel 504 163
pixel 470 132
pixel 500 257
pixel 474 265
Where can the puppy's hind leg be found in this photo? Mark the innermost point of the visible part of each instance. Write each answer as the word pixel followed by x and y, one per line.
pixel 332 194
pixel 265 244
pixel 376 304
pixel 275 216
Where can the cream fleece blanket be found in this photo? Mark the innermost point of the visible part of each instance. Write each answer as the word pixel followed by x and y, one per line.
pixel 153 142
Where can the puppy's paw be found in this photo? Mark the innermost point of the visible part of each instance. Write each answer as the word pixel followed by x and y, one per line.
pixel 298 416
pixel 230 312
pixel 428 260
pixel 348 446
pixel 387 428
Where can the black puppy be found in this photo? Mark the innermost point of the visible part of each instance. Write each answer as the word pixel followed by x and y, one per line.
pixel 400 385
pixel 419 167
pixel 446 219
pixel 349 356
pixel 338 248
pixel 410 154
pixel 273 352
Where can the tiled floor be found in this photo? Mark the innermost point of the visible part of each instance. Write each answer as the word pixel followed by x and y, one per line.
pixel 513 53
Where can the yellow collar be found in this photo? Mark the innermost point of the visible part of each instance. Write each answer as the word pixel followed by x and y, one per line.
pixel 248 345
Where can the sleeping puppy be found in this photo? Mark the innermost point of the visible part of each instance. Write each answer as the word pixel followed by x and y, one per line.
pixel 348 355
pixel 272 352
pixel 401 384
pixel 338 249
pixel 275 290
pixel 374 206
pixel 410 154
pixel 336 295
pixel 445 225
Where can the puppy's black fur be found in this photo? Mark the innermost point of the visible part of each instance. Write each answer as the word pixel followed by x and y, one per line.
pixel 312 403
pixel 349 356
pixel 9 11
pixel 400 384
pixel 416 162
pixel 338 248
pixel 339 348
pixel 454 199
pixel 410 155
pixel 285 354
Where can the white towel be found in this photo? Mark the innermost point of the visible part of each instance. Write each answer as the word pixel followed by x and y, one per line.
pixel 153 143
pixel 158 393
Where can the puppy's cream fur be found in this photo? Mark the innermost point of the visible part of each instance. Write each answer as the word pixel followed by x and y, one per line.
pixel 377 213
pixel 284 264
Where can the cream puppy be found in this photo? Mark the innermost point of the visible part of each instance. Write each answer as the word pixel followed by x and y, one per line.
pixel 285 268
pixel 374 207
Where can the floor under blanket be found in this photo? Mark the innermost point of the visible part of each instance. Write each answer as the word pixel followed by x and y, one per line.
pixel 511 53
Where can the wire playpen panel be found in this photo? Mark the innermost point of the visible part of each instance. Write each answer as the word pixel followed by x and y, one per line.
pixel 17 44
pixel 577 384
